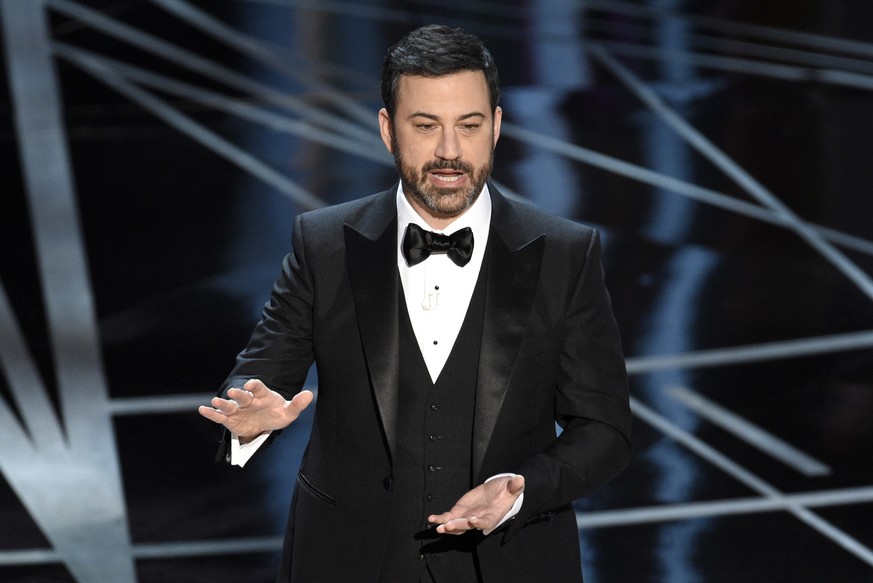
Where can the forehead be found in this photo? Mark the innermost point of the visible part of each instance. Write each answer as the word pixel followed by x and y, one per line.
pixel 449 95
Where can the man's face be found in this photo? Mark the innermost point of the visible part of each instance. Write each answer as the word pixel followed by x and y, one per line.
pixel 442 138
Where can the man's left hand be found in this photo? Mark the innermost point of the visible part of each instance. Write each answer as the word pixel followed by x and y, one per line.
pixel 482 508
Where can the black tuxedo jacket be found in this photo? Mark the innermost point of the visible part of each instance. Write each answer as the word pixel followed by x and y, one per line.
pixel 550 352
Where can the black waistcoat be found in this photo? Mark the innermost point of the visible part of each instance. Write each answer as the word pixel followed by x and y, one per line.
pixel 432 467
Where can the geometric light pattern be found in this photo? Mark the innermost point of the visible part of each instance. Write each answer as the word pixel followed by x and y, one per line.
pixel 62 462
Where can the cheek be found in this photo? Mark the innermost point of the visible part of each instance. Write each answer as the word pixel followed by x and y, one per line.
pixel 414 155
pixel 482 154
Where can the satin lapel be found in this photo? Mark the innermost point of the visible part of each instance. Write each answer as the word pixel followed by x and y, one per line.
pixel 371 251
pixel 513 273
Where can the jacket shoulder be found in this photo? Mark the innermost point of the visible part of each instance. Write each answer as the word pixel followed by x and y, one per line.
pixel 524 222
pixel 368 215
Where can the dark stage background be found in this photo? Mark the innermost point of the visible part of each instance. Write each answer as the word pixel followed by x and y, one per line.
pixel 154 154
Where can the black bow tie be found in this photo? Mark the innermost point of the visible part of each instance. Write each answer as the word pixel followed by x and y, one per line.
pixel 418 245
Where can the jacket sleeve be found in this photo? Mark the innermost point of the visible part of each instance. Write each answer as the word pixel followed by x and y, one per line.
pixel 591 403
pixel 280 349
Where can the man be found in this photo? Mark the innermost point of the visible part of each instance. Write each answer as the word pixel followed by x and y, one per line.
pixel 444 360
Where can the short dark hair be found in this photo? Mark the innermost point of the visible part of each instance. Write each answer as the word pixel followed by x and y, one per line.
pixel 434 51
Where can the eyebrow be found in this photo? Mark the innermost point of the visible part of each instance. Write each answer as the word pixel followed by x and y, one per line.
pixel 433 117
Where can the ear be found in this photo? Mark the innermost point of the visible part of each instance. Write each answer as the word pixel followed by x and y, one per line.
pixel 498 117
pixel 386 129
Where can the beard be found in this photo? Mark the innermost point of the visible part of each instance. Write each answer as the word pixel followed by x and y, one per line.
pixel 443 202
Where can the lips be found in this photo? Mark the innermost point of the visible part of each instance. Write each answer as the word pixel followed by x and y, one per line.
pixel 448 173
pixel 447 178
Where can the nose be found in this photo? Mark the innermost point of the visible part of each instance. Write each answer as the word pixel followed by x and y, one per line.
pixel 448 148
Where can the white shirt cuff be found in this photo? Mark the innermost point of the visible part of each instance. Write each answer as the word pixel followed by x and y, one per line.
pixel 240 453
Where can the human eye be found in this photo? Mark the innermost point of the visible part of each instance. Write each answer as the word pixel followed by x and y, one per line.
pixel 425 127
pixel 470 127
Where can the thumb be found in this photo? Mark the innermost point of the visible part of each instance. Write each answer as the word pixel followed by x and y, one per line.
pixel 515 485
pixel 300 401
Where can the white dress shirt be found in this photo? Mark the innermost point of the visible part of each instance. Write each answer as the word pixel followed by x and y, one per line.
pixel 437 292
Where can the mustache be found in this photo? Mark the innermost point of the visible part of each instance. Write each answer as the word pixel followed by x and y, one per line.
pixel 459 165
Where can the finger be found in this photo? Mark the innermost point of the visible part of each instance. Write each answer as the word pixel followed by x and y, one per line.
pixel 226 406
pixel 457 512
pixel 212 414
pixel 243 397
pixel 455 526
pixel 484 523
pixel 256 387
pixel 439 518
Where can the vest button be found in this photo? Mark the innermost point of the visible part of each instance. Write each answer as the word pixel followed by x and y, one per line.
pixel 435 437
pixel 420 557
pixel 434 407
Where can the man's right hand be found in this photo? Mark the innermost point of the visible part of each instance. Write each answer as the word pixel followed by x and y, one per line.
pixel 250 411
